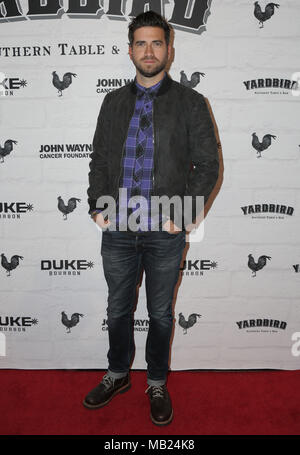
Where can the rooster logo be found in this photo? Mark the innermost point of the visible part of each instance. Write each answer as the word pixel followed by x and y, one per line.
pixel 65 209
pixel 65 83
pixel 264 16
pixel 8 266
pixel 261 146
pixel 8 147
pixel 189 323
pixel 69 323
pixel 195 79
pixel 255 266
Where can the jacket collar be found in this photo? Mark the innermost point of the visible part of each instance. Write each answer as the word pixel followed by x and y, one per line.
pixel 164 87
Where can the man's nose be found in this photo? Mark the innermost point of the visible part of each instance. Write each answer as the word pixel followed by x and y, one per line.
pixel 149 49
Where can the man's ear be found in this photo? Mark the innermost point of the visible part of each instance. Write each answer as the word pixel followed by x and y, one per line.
pixel 169 51
pixel 130 51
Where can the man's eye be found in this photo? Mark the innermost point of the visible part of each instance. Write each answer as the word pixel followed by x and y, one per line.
pixel 157 44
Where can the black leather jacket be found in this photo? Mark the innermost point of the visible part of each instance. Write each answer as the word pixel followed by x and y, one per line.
pixel 185 161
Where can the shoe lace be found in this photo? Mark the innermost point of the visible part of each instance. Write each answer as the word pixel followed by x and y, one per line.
pixel 157 391
pixel 107 381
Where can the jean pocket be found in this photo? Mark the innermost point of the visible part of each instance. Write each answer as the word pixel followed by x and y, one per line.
pixel 172 234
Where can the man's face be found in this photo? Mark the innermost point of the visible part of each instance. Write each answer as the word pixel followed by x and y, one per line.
pixel 149 51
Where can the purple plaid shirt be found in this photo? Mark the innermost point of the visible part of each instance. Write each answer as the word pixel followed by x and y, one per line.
pixel 137 171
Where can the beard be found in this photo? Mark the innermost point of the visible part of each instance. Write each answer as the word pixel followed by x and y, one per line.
pixel 157 68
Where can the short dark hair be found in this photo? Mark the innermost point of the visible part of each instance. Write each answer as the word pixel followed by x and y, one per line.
pixel 148 19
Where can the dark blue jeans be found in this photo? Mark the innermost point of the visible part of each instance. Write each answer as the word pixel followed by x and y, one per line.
pixel 124 255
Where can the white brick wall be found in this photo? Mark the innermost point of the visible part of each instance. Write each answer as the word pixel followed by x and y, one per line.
pixel 233 49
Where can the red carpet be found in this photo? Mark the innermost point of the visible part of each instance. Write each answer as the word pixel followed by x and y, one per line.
pixel 48 402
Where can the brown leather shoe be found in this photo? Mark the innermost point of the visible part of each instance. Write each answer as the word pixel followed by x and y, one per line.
pixel 161 406
pixel 105 391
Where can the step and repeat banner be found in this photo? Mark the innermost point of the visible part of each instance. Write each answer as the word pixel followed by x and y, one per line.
pixel 237 299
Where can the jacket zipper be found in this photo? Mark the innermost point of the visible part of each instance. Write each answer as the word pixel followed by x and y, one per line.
pixel 153 142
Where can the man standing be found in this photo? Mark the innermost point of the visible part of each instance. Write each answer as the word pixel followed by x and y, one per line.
pixel 154 137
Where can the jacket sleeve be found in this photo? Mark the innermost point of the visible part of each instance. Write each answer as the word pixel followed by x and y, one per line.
pixel 98 175
pixel 204 155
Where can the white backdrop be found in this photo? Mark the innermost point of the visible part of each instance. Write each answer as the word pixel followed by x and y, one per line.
pixel 50 259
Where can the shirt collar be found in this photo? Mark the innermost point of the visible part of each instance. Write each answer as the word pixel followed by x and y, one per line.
pixel 148 90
